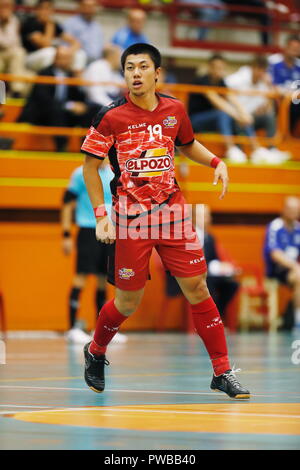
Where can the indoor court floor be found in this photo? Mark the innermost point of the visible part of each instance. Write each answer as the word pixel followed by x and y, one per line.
pixel 157 395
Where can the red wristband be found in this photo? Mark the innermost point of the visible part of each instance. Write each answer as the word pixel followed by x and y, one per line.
pixel 215 162
pixel 100 211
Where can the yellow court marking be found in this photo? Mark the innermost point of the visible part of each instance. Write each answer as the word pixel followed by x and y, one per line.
pixel 234 417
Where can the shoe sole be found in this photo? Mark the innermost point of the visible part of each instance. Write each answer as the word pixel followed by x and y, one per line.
pixel 244 396
pixel 95 390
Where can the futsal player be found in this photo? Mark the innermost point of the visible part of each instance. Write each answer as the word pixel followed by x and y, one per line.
pixel 139 133
pixel 91 256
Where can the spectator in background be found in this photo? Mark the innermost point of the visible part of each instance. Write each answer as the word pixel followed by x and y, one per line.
pixel 282 251
pixel 221 281
pixel 58 105
pixel 211 111
pixel 255 77
pixel 264 17
pixel 86 29
pixel 106 70
pixel 12 55
pixel 286 75
pixel 133 32
pixel 91 255
pixel 40 35
pixel 207 13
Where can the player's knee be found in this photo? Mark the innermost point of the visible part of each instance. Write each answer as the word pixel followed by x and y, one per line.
pixel 200 291
pixel 127 304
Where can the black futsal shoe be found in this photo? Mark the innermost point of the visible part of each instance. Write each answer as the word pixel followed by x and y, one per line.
pixel 94 370
pixel 229 384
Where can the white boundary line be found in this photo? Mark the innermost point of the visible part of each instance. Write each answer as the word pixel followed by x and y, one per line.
pixel 154 392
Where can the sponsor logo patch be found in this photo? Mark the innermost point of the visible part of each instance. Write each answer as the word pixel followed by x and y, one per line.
pixel 126 273
pixel 170 121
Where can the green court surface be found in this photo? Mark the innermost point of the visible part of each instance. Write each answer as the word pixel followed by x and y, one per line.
pixel 157 395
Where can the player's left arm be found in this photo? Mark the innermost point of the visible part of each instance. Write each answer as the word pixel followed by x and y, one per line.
pixel 200 154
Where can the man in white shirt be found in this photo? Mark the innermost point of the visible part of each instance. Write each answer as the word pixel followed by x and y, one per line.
pixel 105 70
pixel 86 29
pixel 255 77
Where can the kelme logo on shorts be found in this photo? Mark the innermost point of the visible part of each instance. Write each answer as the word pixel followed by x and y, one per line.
pixel 152 162
pixel 126 273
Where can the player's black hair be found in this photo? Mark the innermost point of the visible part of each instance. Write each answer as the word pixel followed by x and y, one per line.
pixel 142 48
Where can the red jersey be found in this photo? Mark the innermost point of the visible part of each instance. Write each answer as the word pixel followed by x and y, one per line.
pixel 140 145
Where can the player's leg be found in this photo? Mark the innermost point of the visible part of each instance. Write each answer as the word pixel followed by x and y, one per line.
pixel 183 257
pixel 128 271
pixel 207 320
pixel 78 283
pixel 75 334
pixel 293 279
pixel 111 317
pixel 210 328
pixel 100 294
pixel 85 255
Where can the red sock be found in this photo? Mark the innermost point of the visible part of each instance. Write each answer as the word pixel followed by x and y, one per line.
pixel 209 327
pixel 107 326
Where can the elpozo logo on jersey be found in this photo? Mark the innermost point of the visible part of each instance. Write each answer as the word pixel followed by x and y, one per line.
pixel 152 162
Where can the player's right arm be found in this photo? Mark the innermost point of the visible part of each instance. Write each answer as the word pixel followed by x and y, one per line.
pixel 105 231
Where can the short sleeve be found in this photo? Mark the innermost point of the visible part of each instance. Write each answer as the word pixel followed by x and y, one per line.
pixel 99 139
pixel 185 135
pixel 76 181
pixel 272 242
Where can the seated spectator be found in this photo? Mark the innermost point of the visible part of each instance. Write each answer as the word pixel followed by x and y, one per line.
pixel 40 34
pixel 255 77
pixel 58 105
pixel 282 251
pixel 286 75
pixel 106 70
pixel 264 18
pixel 86 29
pixel 206 13
pixel 12 55
pixel 221 280
pixel 133 32
pixel 214 112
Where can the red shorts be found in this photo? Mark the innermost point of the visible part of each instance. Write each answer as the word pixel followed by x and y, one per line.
pixel 177 245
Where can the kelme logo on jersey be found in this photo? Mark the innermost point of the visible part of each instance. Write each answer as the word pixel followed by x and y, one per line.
pixel 152 162
pixel 126 273
pixel 171 121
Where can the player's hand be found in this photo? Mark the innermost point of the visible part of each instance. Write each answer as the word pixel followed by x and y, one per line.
pixel 222 174
pixel 105 230
pixel 67 245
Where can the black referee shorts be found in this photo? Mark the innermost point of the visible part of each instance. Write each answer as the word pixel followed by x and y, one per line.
pixel 92 256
